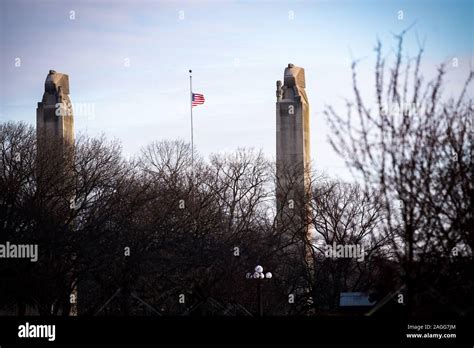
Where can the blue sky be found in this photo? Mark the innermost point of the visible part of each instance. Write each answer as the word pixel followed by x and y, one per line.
pixel 237 50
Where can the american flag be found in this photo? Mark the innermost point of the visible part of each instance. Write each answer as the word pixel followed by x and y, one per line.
pixel 198 99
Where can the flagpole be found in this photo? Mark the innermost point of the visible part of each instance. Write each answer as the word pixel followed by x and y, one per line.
pixel 191 108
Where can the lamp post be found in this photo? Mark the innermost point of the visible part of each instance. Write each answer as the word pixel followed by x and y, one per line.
pixel 259 276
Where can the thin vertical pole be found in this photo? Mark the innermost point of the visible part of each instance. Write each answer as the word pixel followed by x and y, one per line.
pixel 191 108
pixel 259 298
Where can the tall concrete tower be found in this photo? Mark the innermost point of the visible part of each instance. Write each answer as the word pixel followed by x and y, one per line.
pixel 292 138
pixel 293 165
pixel 55 139
pixel 54 117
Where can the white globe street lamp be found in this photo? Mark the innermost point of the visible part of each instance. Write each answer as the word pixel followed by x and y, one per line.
pixel 258 275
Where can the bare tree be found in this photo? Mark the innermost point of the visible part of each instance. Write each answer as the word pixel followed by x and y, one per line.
pixel 415 147
pixel 346 215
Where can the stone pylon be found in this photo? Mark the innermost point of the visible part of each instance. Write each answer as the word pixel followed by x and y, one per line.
pixel 55 141
pixel 293 161
pixel 292 136
pixel 54 116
